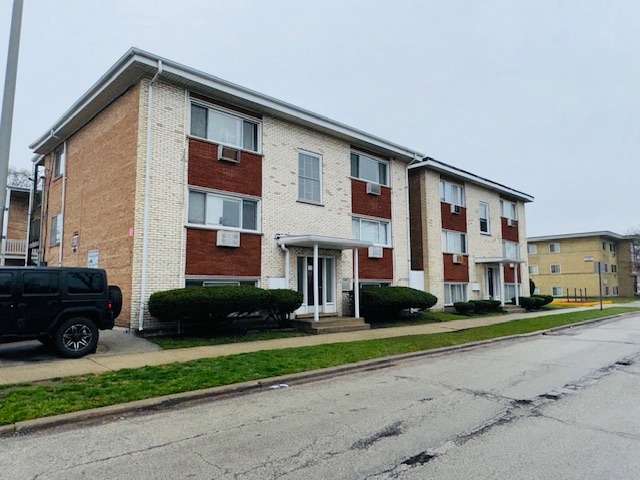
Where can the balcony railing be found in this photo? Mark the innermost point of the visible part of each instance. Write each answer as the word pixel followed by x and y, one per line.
pixel 14 248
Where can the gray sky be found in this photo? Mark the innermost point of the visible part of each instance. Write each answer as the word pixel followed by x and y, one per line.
pixel 539 95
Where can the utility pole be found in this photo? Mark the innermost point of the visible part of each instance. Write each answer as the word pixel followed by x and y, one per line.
pixel 7 102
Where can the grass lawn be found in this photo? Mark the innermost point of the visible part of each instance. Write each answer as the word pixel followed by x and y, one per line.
pixel 28 401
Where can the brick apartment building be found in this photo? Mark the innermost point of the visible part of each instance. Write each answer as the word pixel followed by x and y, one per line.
pixel 169 177
pixel 468 235
pixel 562 265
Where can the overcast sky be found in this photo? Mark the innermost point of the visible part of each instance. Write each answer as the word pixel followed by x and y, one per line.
pixel 542 96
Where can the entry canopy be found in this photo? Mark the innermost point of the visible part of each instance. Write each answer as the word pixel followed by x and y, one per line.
pixel 329 243
pixel 498 260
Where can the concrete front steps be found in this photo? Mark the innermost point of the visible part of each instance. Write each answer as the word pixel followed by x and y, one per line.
pixel 329 323
pixel 513 309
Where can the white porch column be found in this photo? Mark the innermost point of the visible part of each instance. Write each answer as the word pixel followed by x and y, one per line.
pixel 356 283
pixel 316 293
pixel 501 284
pixel 515 273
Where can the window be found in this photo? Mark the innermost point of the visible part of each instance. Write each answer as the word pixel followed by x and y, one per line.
pixel 224 127
pixel 614 268
pixel 455 292
pixel 84 283
pixel 606 291
pixel 451 193
pixel 40 283
pixel 369 169
pixel 604 245
pixel 376 231
pixel 612 247
pixel 484 217
pixel 222 210
pixel 218 282
pixel 309 177
pixel 605 268
pixel 536 291
pixel 58 161
pixel 454 242
pixel 508 209
pixel 56 229
pixel 615 291
pixel 6 280
pixel 556 291
pixel 556 268
pixel 554 248
pixel 511 250
pixel 533 269
pixel 532 249
pixel 374 284
pixel 510 290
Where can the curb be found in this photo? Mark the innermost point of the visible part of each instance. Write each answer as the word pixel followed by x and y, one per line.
pixel 245 388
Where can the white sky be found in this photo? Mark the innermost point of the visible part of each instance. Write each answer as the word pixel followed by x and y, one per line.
pixel 539 95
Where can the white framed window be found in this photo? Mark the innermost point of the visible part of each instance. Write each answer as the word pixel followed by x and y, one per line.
pixel 606 291
pixel 309 177
pixel 508 209
pixel 511 250
pixel 532 249
pixel 376 231
pixel 556 268
pixel 451 193
pixel 370 169
pixel 554 248
pixel 225 127
pixel 533 269
pixel 59 157
pixel 614 268
pixel 612 247
pixel 56 229
pixel 219 210
pixel 510 290
pixel 605 268
pixel 556 291
pixel 536 291
pixel 219 282
pixel 484 218
pixel 455 292
pixel 604 245
pixel 454 242
pixel 615 291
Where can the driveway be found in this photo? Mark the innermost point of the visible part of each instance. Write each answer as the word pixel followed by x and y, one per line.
pixel 112 342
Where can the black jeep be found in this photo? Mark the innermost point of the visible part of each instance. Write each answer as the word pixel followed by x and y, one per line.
pixel 62 307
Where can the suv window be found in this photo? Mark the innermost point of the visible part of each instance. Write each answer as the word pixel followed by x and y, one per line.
pixel 6 280
pixel 40 283
pixel 84 283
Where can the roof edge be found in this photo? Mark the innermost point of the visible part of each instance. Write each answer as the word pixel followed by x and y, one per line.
pixel 601 233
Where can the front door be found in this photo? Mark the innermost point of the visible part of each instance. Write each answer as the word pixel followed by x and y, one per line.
pixel 326 284
pixel 492 283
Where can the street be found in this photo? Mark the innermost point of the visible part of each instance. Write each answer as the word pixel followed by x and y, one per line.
pixel 557 406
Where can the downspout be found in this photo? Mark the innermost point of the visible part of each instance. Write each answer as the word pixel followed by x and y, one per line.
pixel 147 188
pixel 62 213
pixel 287 264
pixel 406 179
pixel 32 193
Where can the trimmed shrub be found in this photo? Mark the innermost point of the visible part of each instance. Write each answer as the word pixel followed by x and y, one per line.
pixel 480 306
pixel 387 302
pixel 464 308
pixel 546 298
pixel 530 303
pixel 494 305
pixel 282 302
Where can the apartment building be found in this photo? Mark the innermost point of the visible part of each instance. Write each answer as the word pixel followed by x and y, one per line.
pixel 562 265
pixel 169 177
pixel 468 235
pixel 13 250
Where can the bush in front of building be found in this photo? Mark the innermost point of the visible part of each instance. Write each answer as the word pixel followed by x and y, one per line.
pixel 464 308
pixel 384 303
pixel 494 305
pixel 530 303
pixel 480 306
pixel 547 299
pixel 281 303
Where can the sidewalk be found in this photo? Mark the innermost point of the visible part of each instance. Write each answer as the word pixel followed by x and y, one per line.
pixel 101 364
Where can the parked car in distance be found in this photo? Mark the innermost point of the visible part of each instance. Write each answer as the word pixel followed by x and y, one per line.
pixel 60 306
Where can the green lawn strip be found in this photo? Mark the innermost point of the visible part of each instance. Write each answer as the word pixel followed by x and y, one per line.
pixel 19 402
pixel 168 343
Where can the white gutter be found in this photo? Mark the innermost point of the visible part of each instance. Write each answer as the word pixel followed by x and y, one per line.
pixel 64 190
pixel 32 194
pixel 147 188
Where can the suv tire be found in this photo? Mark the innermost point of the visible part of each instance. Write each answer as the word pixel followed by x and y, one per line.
pixel 115 296
pixel 76 337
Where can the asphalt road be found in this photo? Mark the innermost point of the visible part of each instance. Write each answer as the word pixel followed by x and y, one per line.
pixel 559 406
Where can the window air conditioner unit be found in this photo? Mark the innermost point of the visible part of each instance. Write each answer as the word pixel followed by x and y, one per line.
pixel 459 259
pixel 376 252
pixel 511 222
pixel 456 209
pixel 228 154
pixel 373 188
pixel 228 239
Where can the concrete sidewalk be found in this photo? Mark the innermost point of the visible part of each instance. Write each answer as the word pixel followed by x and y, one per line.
pixel 100 364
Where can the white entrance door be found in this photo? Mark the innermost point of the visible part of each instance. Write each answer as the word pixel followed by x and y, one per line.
pixel 492 282
pixel 326 284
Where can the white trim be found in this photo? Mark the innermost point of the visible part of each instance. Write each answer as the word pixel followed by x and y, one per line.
pixel 559 269
pixel 480 204
pixel 442 186
pixel 466 292
pixel 444 241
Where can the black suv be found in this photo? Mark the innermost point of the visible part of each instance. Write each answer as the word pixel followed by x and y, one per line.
pixel 62 307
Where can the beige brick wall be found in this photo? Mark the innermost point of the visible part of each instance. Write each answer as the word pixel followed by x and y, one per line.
pixel 432 235
pixel 399 213
pixel 18 216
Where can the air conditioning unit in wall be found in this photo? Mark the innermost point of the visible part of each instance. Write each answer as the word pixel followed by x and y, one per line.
pixel 373 188
pixel 511 222
pixel 228 154
pixel 228 239
pixel 376 252
pixel 459 259
pixel 456 209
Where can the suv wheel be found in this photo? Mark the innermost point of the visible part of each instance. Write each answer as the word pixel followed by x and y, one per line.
pixel 76 337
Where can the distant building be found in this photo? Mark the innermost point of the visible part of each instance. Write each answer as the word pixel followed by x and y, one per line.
pixel 13 250
pixel 562 265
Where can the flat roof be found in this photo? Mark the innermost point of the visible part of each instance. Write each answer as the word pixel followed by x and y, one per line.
pixel 601 233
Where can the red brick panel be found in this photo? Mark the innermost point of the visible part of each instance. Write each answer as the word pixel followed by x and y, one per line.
pixel 509 273
pixel 363 203
pixel 453 221
pixel 376 268
pixel 455 272
pixel 205 170
pixel 510 234
pixel 205 258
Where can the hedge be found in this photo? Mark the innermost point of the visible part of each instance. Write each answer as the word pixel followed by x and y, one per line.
pixel 531 303
pixel 281 302
pixel 480 306
pixel 464 308
pixel 547 298
pixel 385 302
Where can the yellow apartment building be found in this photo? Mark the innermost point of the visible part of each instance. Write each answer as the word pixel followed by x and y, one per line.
pixel 567 265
